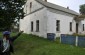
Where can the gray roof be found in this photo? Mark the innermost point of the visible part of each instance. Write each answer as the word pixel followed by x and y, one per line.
pixel 50 5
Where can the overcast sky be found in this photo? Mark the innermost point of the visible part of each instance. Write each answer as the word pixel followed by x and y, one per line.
pixel 73 4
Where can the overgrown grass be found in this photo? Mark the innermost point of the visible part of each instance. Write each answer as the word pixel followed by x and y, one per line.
pixel 33 45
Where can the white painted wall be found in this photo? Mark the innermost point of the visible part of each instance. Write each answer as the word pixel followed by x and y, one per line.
pixel 40 15
pixel 25 24
pixel 65 20
pixel 47 18
pixel 81 27
pixel 35 6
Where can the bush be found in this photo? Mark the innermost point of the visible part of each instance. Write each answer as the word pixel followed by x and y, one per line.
pixel 2 29
pixel 76 34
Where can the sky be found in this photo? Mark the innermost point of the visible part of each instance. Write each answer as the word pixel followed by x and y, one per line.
pixel 72 4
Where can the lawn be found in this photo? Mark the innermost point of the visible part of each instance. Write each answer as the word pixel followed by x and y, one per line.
pixel 33 45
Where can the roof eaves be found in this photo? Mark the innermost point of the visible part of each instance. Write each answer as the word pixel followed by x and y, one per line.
pixel 57 7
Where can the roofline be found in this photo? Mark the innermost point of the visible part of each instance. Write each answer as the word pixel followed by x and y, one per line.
pixel 58 9
pixel 62 11
pixel 34 11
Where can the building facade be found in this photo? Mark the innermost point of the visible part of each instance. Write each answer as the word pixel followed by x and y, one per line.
pixel 43 17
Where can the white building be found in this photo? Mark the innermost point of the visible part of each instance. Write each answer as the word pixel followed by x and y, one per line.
pixel 43 17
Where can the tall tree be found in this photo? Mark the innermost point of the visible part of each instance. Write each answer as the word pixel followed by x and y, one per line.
pixel 11 10
pixel 82 9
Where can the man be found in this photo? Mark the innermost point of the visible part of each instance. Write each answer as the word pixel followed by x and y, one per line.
pixel 6 43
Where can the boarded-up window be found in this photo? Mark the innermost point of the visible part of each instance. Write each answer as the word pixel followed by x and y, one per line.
pixel 70 26
pixel 57 25
pixel 37 26
pixel 83 27
pixel 32 26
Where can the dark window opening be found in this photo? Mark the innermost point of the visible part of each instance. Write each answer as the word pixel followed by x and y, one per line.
pixel 83 27
pixel 30 4
pixel 57 25
pixel 77 25
pixel 70 26
pixel 37 26
pixel 32 26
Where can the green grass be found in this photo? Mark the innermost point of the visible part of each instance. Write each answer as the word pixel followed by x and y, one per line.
pixel 33 45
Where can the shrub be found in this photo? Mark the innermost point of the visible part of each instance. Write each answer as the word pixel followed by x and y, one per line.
pixel 81 35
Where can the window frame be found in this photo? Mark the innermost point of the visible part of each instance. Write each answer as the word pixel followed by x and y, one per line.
pixel 83 27
pixel 37 26
pixel 30 4
pixel 58 25
pixel 32 25
pixel 70 26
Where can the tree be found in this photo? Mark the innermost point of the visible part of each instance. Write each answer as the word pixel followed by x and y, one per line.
pixel 10 10
pixel 82 14
pixel 82 9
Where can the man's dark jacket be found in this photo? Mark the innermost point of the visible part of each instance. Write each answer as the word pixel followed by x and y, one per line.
pixel 11 40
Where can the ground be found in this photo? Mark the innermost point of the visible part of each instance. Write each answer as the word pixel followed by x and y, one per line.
pixel 33 45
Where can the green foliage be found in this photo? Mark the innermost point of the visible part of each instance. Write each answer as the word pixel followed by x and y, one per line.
pixel 80 35
pixel 82 9
pixel 76 34
pixel 33 45
pixel 10 10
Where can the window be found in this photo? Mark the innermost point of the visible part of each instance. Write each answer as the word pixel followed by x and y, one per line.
pixel 77 27
pixel 30 4
pixel 57 25
pixel 70 26
pixel 37 26
pixel 83 27
pixel 32 26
